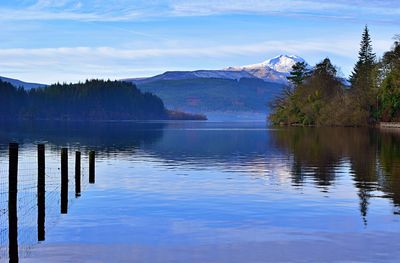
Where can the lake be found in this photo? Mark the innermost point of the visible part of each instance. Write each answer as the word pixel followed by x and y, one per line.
pixel 209 192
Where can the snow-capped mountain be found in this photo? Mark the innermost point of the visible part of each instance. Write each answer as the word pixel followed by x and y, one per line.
pixel 275 69
pixel 272 70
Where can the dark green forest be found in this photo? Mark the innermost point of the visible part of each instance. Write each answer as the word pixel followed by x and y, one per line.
pixel 91 100
pixel 318 96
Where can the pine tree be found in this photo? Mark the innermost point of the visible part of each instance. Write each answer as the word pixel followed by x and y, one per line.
pixel 362 80
pixel 299 73
pixel 366 54
pixel 366 58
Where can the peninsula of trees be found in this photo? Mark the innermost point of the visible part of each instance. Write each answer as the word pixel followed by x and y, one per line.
pixel 91 100
pixel 318 96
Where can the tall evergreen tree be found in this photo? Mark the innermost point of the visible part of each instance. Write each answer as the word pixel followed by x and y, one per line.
pixel 366 58
pixel 362 78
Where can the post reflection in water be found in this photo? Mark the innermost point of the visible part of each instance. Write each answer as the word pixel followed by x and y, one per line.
pixel 242 175
pixel 41 192
pixel 20 201
pixel 19 204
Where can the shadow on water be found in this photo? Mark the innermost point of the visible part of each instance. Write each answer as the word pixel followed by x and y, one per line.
pixel 373 157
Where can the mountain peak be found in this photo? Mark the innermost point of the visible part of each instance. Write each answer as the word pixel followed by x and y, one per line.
pixel 283 63
pixel 275 69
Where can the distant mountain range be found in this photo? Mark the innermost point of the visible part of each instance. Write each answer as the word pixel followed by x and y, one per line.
pixel 243 91
pixel 272 70
pixel 18 83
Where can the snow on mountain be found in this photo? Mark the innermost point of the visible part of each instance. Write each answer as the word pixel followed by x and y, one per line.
pixel 283 63
pixel 275 69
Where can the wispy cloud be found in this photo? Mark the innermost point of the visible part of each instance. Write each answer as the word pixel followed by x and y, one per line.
pixel 41 4
pixel 85 10
pixel 355 7
pixel 124 10
pixel 385 11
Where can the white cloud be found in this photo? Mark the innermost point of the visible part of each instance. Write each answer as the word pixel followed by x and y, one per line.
pixel 341 47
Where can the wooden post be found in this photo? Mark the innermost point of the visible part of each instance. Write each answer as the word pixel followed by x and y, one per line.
pixel 91 167
pixel 64 180
pixel 41 196
pixel 77 174
pixel 12 202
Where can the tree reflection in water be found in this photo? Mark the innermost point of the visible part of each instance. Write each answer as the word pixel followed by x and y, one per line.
pixel 373 155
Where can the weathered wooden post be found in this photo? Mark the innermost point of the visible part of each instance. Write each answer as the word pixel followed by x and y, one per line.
pixel 64 180
pixel 41 196
pixel 12 203
pixel 77 174
pixel 91 167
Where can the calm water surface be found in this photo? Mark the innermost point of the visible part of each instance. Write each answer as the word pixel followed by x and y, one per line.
pixel 222 192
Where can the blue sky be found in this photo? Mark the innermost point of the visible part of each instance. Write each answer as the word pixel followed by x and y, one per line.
pixel 70 40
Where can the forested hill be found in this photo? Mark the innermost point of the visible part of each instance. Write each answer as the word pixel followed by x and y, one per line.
pixel 317 95
pixel 91 100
